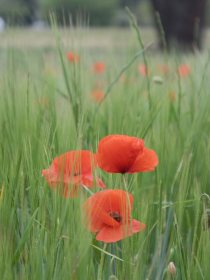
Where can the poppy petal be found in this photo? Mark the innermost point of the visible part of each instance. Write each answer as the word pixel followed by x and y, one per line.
pixel 88 180
pixel 110 201
pixel 74 162
pixel 70 170
pixel 116 153
pixel 110 235
pixel 50 176
pixel 70 164
pixel 72 184
pixel 144 70
pixel 100 207
pixel 98 217
pixel 184 70
pixel 146 162
pixel 100 183
pixel 99 67
pixel 72 57
pixel 108 215
pixel 137 226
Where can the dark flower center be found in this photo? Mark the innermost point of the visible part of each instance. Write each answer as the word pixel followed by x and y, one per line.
pixel 116 216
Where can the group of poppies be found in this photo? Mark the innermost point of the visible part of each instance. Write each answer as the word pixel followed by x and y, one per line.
pixel 99 67
pixel 107 212
pixel 183 70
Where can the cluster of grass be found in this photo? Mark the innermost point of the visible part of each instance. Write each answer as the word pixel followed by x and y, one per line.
pixel 46 109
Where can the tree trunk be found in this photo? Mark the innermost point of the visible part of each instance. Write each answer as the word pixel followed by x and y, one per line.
pixel 181 20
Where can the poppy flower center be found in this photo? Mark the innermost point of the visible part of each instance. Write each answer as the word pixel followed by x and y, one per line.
pixel 116 216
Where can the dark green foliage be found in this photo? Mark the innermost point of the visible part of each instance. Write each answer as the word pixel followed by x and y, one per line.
pixel 181 21
pixel 18 11
pixel 97 12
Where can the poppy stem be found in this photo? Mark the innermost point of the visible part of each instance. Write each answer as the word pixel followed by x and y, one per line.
pixel 100 269
pixel 125 182
pixel 113 263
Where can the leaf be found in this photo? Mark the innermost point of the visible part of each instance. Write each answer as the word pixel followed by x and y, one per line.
pixel 24 238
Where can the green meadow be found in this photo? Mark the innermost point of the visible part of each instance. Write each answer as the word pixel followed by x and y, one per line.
pixel 47 107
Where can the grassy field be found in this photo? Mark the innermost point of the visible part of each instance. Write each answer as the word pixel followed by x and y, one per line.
pixel 47 107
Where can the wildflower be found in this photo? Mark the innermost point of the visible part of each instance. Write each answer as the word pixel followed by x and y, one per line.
pixel 97 95
pixel 71 171
pixel 172 269
pixel 73 57
pixel 99 67
pixel 108 214
pixel 157 80
pixel 184 70
pixel 125 154
pixel 143 70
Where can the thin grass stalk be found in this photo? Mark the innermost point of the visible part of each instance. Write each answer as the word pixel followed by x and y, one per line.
pixel 141 43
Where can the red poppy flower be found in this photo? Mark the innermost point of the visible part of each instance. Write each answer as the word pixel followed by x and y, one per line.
pixel 108 214
pixel 72 57
pixel 143 70
pixel 97 95
pixel 125 154
pixel 72 170
pixel 99 67
pixel 184 70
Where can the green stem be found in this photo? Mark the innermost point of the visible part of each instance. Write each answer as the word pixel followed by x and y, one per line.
pixel 125 182
pixel 134 25
pixel 113 263
pixel 100 269
pixel 87 189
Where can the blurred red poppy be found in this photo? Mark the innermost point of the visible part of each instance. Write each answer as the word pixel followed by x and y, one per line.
pixel 184 70
pixel 72 170
pixel 144 70
pixel 108 214
pixel 99 67
pixel 72 57
pixel 97 95
pixel 125 154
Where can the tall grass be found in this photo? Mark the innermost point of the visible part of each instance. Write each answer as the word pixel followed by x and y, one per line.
pixel 46 109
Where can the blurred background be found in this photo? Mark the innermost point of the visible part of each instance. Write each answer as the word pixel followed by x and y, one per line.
pixel 180 22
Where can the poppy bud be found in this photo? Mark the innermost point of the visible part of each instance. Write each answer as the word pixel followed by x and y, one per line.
pixel 113 277
pixel 157 80
pixel 172 269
